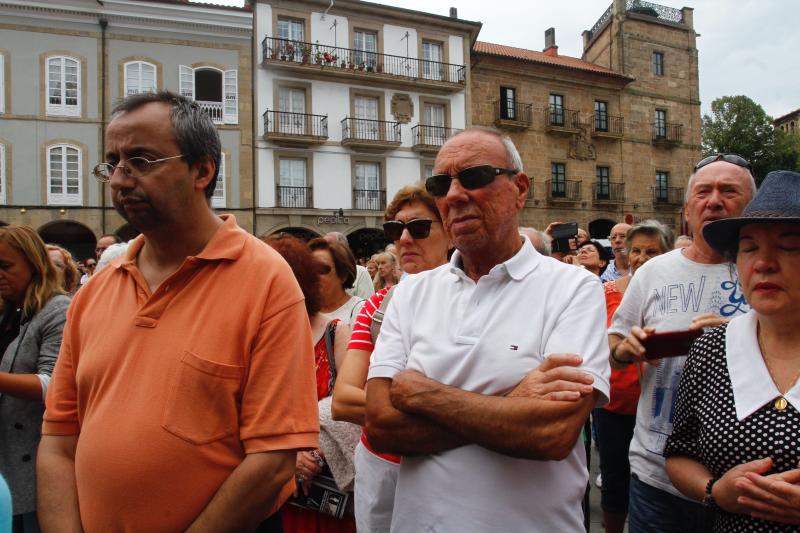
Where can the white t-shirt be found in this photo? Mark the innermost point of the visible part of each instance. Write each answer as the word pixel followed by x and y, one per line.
pixel 485 338
pixel 667 293
pixel 348 312
pixel 362 287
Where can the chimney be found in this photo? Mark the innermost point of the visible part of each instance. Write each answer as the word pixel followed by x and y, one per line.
pixel 453 13
pixel 550 47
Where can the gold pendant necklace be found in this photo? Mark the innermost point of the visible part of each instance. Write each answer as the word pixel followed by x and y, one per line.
pixel 780 402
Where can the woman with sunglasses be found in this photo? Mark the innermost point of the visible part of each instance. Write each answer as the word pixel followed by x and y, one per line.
pixel 735 443
pixel 33 310
pixel 414 225
pixel 337 272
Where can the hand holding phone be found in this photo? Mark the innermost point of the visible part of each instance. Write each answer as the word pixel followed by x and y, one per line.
pixel 670 343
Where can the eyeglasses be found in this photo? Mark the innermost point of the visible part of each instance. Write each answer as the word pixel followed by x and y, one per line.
pixel 470 178
pixel 134 167
pixel 419 228
pixel 736 159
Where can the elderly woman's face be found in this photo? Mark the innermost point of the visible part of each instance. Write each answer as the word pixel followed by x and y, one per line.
pixel 57 258
pixel 385 268
pixel 643 248
pixel 418 255
pixel 15 274
pixel 768 263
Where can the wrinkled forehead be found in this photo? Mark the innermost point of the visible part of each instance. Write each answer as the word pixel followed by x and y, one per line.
pixel 721 173
pixel 470 149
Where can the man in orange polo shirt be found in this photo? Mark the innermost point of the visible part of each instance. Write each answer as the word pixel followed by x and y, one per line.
pixel 185 383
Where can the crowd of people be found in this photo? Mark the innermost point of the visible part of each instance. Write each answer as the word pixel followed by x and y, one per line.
pixel 202 379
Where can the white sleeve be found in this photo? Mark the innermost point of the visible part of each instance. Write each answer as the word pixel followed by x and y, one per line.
pixel 581 329
pixel 44 379
pixel 390 355
pixel 630 311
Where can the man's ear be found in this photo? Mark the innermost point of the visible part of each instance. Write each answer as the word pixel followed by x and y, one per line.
pixel 523 184
pixel 206 171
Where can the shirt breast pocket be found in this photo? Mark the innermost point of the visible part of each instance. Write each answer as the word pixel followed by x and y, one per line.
pixel 202 404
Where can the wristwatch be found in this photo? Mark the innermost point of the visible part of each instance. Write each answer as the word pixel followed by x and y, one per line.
pixel 708 499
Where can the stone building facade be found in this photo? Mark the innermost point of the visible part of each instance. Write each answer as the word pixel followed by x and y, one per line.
pixel 790 122
pixel 611 136
pixel 63 66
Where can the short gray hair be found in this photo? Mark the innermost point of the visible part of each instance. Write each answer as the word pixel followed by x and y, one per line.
pixel 339 236
pixel 542 245
pixel 514 160
pixel 653 228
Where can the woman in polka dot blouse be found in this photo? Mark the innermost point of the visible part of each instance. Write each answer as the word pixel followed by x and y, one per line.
pixel 735 445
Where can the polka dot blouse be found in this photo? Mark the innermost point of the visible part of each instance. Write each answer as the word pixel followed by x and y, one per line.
pixel 706 427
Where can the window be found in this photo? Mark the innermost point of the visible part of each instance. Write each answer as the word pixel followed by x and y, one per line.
pixel 63 86
pixel 662 186
pixel 218 198
pixel 603 192
pixel 365 44
pixel 558 177
pixel 427 170
pixel 292 190
pixel 64 175
pixel 434 127
pixel 658 63
pixel 556 110
pixel 3 186
pixel 292 104
pixel 600 115
pixel 367 114
pixel 661 124
pixel 508 103
pixel 140 77
pixel 368 193
pixel 433 60
pixel 216 91
pixel 292 31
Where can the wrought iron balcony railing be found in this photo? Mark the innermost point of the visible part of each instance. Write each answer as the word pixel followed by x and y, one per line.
pixel 214 110
pixel 370 199
pixel 561 117
pixel 513 111
pixel 300 197
pixel 363 129
pixel 666 132
pixel 668 195
pixel 276 49
pixel 285 123
pixel 608 192
pixel 425 135
pixel 569 190
pixel 608 125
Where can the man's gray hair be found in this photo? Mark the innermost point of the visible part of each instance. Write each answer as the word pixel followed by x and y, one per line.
pixel 751 182
pixel 542 244
pixel 339 236
pixel 654 228
pixel 514 160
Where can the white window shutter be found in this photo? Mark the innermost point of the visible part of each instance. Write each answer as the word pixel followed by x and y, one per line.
pixel 231 97
pixel 186 81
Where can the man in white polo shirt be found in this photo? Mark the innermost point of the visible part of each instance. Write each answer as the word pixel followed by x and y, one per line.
pixel 471 381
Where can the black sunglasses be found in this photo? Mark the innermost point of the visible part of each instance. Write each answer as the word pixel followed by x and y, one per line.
pixel 419 228
pixel 470 178
pixel 736 159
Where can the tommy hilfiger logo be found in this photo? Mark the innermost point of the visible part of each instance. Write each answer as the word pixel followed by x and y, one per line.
pixel 514 347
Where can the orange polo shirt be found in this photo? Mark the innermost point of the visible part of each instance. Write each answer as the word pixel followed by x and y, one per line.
pixel 168 391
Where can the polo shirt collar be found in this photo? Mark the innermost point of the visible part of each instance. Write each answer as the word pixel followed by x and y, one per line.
pixel 226 243
pixel 517 267
pixel 752 385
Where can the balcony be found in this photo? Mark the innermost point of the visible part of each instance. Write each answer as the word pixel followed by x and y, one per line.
pixel 361 65
pixel 367 134
pixel 214 110
pixel 668 196
pixel 513 115
pixel 666 133
pixel 428 139
pixel 607 126
pixel 608 193
pixel 297 197
pixel 562 120
pixel 563 190
pixel 369 199
pixel 295 129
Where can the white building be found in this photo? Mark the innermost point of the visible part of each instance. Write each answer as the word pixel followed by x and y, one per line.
pixel 353 99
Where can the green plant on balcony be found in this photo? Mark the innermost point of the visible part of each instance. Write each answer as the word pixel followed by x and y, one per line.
pixel 305 53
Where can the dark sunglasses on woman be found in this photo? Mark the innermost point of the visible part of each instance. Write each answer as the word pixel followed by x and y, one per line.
pixel 470 178
pixel 735 159
pixel 419 228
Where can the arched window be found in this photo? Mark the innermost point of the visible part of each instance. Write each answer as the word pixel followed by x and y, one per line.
pixel 64 175
pixel 140 77
pixel 63 86
pixel 215 90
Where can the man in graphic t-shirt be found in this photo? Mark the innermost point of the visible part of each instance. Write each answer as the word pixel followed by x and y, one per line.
pixel 691 287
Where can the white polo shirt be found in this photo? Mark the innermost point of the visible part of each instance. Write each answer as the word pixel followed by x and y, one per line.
pixel 485 337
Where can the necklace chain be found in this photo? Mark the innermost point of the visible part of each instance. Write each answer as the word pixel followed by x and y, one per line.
pixel 769 368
